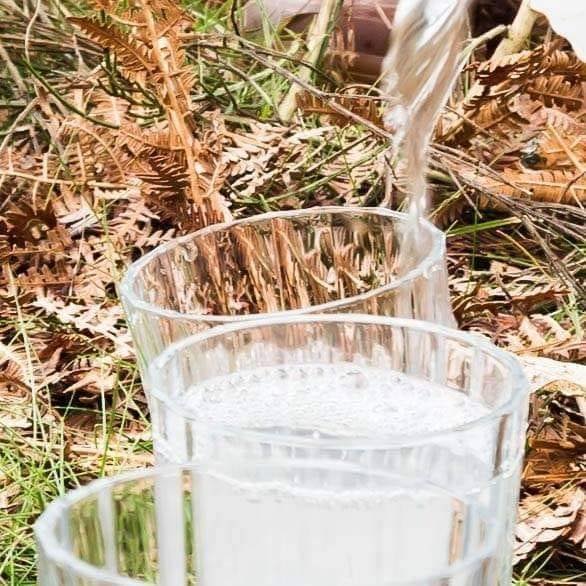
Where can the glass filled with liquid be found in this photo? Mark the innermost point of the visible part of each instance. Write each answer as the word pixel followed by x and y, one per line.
pixel 416 430
pixel 267 523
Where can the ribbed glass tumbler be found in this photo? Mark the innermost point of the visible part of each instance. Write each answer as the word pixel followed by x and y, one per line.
pixel 319 260
pixel 237 525
pixel 438 416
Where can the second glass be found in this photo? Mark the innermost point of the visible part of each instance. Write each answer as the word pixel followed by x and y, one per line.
pixel 428 407
pixel 319 260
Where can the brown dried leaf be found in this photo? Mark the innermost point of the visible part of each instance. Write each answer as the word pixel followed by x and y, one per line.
pixel 560 186
pixel 542 521
pixel 365 106
pixel 505 95
pixel 132 54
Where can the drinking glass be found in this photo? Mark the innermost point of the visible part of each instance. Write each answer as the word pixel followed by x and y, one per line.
pixel 319 260
pixel 238 524
pixel 415 401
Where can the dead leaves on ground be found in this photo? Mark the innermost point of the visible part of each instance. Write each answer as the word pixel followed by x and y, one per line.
pixel 511 306
pixel 542 524
pixel 519 85
pixel 559 186
pixel 553 501
pixel 360 100
pixel 524 118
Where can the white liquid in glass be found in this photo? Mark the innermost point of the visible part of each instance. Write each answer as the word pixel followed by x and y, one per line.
pixel 280 534
pixel 393 516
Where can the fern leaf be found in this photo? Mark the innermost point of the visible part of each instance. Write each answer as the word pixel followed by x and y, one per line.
pixel 168 175
pixel 556 91
pixel 565 63
pixel 131 55
pixel 363 106
pixel 560 186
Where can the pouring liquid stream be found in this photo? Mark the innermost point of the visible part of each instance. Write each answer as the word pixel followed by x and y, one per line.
pixel 419 71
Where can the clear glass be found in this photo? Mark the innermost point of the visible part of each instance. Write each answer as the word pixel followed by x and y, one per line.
pixel 331 388
pixel 320 260
pixel 238 525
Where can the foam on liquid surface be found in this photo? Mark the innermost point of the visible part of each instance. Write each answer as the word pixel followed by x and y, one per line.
pixel 338 399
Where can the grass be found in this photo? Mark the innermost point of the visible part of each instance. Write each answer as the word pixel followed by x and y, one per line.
pixel 53 455
pixel 37 476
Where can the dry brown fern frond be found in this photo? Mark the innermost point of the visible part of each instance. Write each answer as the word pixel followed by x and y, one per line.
pixel 553 503
pixel 564 63
pixel 560 186
pixel 93 153
pixel 169 174
pixel 516 86
pixel 132 55
pixel 498 121
pixel 572 123
pixel 146 42
pixel 510 69
pixel 550 519
pixel 556 90
pixel 368 107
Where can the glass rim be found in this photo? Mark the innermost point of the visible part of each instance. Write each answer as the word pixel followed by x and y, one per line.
pixel 53 548
pixel 56 553
pixel 126 286
pixel 519 383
